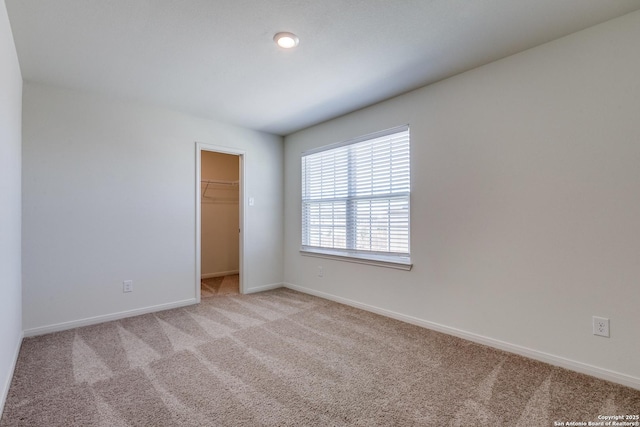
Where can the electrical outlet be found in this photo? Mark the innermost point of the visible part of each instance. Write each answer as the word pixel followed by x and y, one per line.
pixel 320 271
pixel 127 286
pixel 601 326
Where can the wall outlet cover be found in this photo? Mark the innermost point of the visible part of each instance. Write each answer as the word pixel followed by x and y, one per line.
pixel 601 326
pixel 127 286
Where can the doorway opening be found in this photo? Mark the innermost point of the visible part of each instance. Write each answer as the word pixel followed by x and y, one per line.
pixel 219 221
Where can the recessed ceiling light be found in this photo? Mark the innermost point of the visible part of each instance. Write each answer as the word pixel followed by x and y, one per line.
pixel 286 40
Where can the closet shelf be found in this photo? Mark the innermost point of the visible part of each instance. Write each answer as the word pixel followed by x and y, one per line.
pixel 221 185
pixel 218 182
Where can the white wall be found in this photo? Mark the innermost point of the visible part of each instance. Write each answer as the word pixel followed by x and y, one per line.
pixel 109 194
pixel 10 204
pixel 525 203
pixel 220 215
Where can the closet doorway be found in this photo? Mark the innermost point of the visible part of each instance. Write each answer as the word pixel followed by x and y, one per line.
pixel 219 221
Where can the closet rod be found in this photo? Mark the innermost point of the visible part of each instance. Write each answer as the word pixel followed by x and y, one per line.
pixel 219 182
pixel 216 182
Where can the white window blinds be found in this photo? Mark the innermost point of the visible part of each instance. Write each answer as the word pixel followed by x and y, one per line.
pixel 355 196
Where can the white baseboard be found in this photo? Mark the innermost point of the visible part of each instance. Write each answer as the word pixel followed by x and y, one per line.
pixel 264 288
pixel 573 365
pixel 219 274
pixel 5 390
pixel 106 318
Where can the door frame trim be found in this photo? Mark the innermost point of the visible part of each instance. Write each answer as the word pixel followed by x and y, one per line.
pixel 242 156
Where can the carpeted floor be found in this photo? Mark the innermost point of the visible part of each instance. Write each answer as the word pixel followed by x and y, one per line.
pixel 282 358
pixel 225 285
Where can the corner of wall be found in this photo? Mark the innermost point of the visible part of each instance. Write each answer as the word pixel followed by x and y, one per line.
pixel 11 86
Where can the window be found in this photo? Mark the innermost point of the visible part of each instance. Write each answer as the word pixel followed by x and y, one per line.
pixel 355 199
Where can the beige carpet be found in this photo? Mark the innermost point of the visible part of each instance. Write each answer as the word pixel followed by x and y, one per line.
pixel 281 358
pixel 226 285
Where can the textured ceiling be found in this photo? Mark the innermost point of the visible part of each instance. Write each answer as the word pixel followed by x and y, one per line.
pixel 217 59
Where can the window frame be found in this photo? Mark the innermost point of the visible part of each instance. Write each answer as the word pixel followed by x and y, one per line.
pixel 381 259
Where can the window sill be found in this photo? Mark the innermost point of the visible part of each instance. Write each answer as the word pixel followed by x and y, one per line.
pixel 379 261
